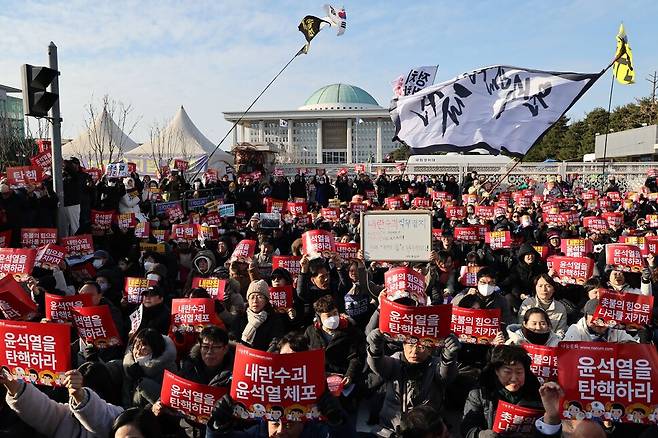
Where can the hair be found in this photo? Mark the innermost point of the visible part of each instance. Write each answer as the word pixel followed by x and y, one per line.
pixel 419 422
pixel 532 311
pixel 143 419
pixel 97 377
pixel 297 341
pixel 198 292
pixel 92 283
pixel 548 279
pixel 473 257
pixel 502 355
pixel 324 304
pixel 443 256
pixel 152 338
pixel 283 273
pixel 215 334
pixel 486 272
pixel 470 301
pixel 315 266
pixel 593 283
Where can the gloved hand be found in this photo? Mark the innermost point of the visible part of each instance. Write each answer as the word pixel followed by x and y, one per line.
pixel 375 343
pixel 451 347
pixel 329 407
pixel 646 275
pixel 487 434
pixel 135 371
pixel 222 415
pixel 90 353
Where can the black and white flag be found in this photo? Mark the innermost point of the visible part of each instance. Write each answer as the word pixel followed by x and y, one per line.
pixel 419 78
pixel 501 109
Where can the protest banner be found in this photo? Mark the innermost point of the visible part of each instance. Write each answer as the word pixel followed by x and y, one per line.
pixel 192 314
pixel 441 196
pixel 393 202
pixel 614 219
pixel 96 326
pixel 274 205
pixel 334 203
pixel 595 223
pixel 281 297
pixel 270 221
pixel 15 303
pixel 608 381
pixel 160 236
pixel 58 308
pixel 403 282
pixel 155 247
pixel 175 213
pixel 426 325
pixel 486 212
pixel 335 384
pixel 289 263
pixel 39 353
pixel 563 218
pixel 397 236
pixel 604 203
pixel 184 232
pixel 117 170
pixel 78 246
pixel 134 287
pixel 358 207
pixel 515 419
pixel 194 400
pixel 143 230
pixel 22 176
pixel 49 256
pixel 101 221
pixel 94 173
pixel 43 159
pixel 347 251
pixel 265 384
pixel 437 233
pixel 543 361
pixel 181 165
pixel 468 275
pixel 5 239
pixel 213 285
pixel 317 243
pixel 330 214
pixel 498 239
pixel 244 251
pixel 422 203
pixel 475 326
pixel 213 218
pixel 576 247
pixel 651 245
pixel 639 241
pixel 466 234
pixel 571 270
pixel 624 310
pixel 162 207
pixel 36 237
pixel 226 210
pixel 17 260
pixel 627 258
pixel 297 208
pixel 455 212
pixel 406 198
pixel 126 220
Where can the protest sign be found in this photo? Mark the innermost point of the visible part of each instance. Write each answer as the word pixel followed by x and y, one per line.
pixel 437 233
pixel 96 326
pixel 330 214
pixel 162 207
pixel 22 176
pixel 264 384
pixel 542 250
pixel 43 159
pixel 213 285
pixel 181 165
pixel 624 257
pixel 543 361
pixel 639 241
pixel 197 203
pixel 78 246
pixel 49 256
pixel 160 236
pixel 184 232
pixel 571 270
pixel 39 353
pixel 15 303
pixel 441 196
pixel 58 308
pixel 651 245
pixel 132 167
pixel 83 271
pixel 358 207
pixel 134 287
pixel 5 238
pixel 207 233
pixel 454 212
pixel 270 221
pixel 17 260
pixel 475 326
pixel 274 205
pixel 402 282
pixel 393 203
pixel 486 212
pixel 652 220
pixel 244 251
pixel 608 381
pixel 347 251
pixel 317 243
pixel 289 263
pixel 426 325
pixel 194 400
pixel 614 219
pixel 467 234
pixel 126 220
pixel 624 310
pixel 595 223
pixel 101 221
pixel 515 419
pixel 136 319
pixel 469 198
pixel 175 213
pixel 422 203
pixel 155 247
pixel 142 230
pixel 576 247
pixel 192 314
pixel 498 239
pixel 36 237
pixel 281 297
pixel 397 236
pixel 297 208
pixel 117 170
pixel 468 275
pixel 226 210
pixel 94 173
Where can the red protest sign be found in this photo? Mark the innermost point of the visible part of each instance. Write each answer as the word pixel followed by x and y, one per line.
pixel 406 198
pixel 467 234
pixel 652 220
pixel 515 419
pixel 208 233
pixel 181 165
pixel 421 203
pixel 347 251
pixel 403 282
pixel 317 242
pixel 194 400
pixel 543 361
pixel 213 285
pixel 101 221
pixel 608 381
pixel 78 246
pixel 281 297
pixel 49 256
pixel 44 145
pixel 36 352
pixel 175 213
pixel 595 223
pixel 441 196
pixel 289 263
pixel 576 247
pixel 265 382
pixel 297 208
pixel 43 159
pixel 244 251
pixel 184 232
pixel 423 324
pixel 21 176
pixel 5 239
pixel 471 198
pixel 571 270
pixel 437 233
pixel 212 218
pixel 614 219
pixel 275 205
pixel 160 235
pixel 393 203
pixel 134 287
pixel 624 310
pixel 487 212
pixel 475 326
pixel 542 250
pixel 58 308
pixel 15 303
pixel 358 207
pixel 498 239
pixel 331 214
pixel 454 212
pixel 639 241
pixel 142 230
pixel 35 237
pixel 652 245
pixel 94 173
pixel 126 220
pixel 17 260
pixel 96 326
pixel 192 314
pixel 624 257
pixel 468 275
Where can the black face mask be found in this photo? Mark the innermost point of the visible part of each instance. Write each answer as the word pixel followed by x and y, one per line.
pixel 536 338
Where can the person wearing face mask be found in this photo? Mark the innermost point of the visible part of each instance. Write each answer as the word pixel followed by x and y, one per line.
pixel 535 329
pixel 106 282
pixel 589 330
pixel 358 291
pixel 489 295
pixel 130 199
pixel 155 313
pixel 544 297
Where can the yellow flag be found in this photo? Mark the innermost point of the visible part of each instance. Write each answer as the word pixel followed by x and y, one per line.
pixel 623 66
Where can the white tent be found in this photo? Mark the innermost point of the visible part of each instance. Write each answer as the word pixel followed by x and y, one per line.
pixel 103 140
pixel 181 139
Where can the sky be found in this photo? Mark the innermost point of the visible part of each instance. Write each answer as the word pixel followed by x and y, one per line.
pixel 216 56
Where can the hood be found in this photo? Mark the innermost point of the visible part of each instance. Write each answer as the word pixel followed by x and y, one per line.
pixel 159 269
pixel 208 256
pixel 526 249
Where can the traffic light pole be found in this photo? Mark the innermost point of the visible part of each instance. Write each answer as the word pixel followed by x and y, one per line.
pixel 56 120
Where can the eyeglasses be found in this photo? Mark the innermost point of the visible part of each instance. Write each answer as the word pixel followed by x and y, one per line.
pixel 210 347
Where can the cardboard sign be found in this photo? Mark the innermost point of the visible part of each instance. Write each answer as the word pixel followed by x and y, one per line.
pixel 281 297
pixel 213 285
pixel 595 223
pixel 39 353
pixel 134 287
pixel 289 263
pixel 297 208
pixel 181 165
pixel 126 220
pixel 244 251
pixel 175 213
pixel 421 203
pixel 624 310
pixel 78 246
pixel 192 314
pixel 468 275
pixel 487 212
pixel 17 260
pixel 184 232
pixel 194 400
pixel 264 384
pixel 347 251
pixel 96 326
pixel 274 205
pixel 475 326
pixel 5 239
pixel 404 282
pixel 624 257
pixel 316 243
pixel 515 419
pixel 498 239
pixel 117 170
pixel 614 219
pixel 571 270
pixel 225 210
pixel 15 303
pixel 427 325
pixel 49 256
pixel 143 230
pixel 576 247
pixel 43 159
pixel 543 361
pixel 58 308
pixel 35 237
pixel 101 220
pixel 457 213
pixel 393 203
pixel 467 234
pixel 330 214
pixel 22 176
pixel 608 381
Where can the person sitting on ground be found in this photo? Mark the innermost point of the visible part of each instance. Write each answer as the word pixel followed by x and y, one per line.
pixel 534 329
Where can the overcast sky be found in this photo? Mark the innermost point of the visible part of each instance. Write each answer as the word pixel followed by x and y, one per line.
pixel 216 56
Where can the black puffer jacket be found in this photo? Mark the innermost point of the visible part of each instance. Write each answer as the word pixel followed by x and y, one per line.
pixel 193 368
pixel 522 275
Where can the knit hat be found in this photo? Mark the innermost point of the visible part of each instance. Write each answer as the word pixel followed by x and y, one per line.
pixel 590 306
pixel 259 287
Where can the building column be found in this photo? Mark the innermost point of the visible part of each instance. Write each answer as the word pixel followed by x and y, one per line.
pixel 379 157
pixel 247 133
pixel 292 154
pixel 349 141
pixel 261 131
pixel 318 151
pixel 235 136
pixel 243 137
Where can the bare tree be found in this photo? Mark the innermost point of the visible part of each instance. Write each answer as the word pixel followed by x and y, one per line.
pixel 167 144
pixel 15 148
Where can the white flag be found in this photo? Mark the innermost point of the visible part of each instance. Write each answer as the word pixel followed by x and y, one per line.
pixel 337 18
pixel 419 78
pixel 499 108
pixel 283 123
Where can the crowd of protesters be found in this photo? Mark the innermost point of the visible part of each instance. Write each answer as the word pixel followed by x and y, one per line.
pixel 402 388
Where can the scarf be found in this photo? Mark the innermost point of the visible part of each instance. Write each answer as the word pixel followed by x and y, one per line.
pixel 254 320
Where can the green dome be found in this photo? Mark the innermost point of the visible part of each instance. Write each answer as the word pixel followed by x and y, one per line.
pixel 340 96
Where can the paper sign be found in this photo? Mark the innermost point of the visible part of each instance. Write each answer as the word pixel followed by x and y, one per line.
pixel 175 213
pixel 126 220
pixel 22 176
pixel 457 213
pixel 543 361
pixel 244 251
pixel 15 303
pixel 142 230
pixel 576 247
pixel 515 419
pixel 17 260
pixel 43 159
pixel 194 400
pixel 624 310
pixel 270 221
pixel 281 297
pixel 426 325
pixel 192 314
pixel 498 239
pixel 181 165
pixel 184 232
pixel 77 246
pixel 467 234
pixel 571 270
pixel 94 173
pixel 101 221
pixel 468 275
pixel 614 219
pixel 96 326
pixel 347 251
pixel 393 203
pixel 404 282
pixel 639 241
pixel 136 319
pixel 357 207
pixel 487 212
pixel 297 208
pixel 274 205
pixel 117 170
pixel 58 308
pixel 330 214
pixel 595 223
pixel 35 237
pixel 49 256
pixel 421 203
pixel 289 263
pixel 213 285
pixel 624 257
pixel 475 326
pixel 134 287
pixel 317 242
pixel 226 210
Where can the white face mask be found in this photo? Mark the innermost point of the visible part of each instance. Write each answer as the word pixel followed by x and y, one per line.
pixel 486 289
pixel 142 360
pixel 148 265
pixel 331 323
pixel 153 277
pixel 97 263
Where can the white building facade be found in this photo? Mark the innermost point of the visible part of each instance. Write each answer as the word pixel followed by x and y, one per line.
pixel 338 124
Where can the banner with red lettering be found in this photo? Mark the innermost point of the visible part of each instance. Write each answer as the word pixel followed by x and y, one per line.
pixel 96 326
pixel 15 303
pixel 22 176
pixel 43 159
pixel 281 297
pixel 244 251
pixel 576 247
pixel 134 287
pixel 624 310
pixel 36 237
pixel 347 251
pixel 39 353
pixel 609 381
pixel 571 270
pixel 515 419
pixel 184 232
pixel 265 384
pixel 498 239
pixel 5 239
pixel 475 326
pixel 78 246
pixel 402 282
pixel 213 285
pixel 194 400
pixel 49 256
pixel 427 325
pixel 454 212
pixel 543 361
pixel 289 263
pixel 17 260
pixel 614 219
pixel 595 223
pixel 192 314
pixel 624 257
pixel 467 234
pixel 317 243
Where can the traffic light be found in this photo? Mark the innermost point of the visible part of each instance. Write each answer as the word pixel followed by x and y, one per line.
pixel 37 100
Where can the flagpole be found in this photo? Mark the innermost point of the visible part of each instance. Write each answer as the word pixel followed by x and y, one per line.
pixel 607 128
pixel 518 161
